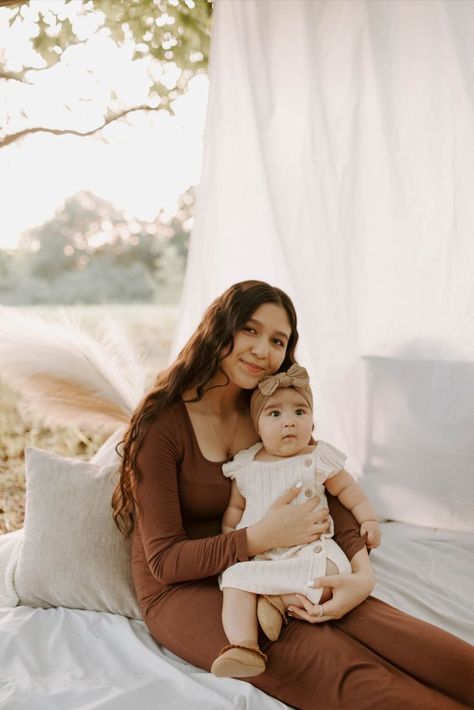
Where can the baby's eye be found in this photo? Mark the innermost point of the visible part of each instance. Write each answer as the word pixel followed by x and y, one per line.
pixel 300 412
pixel 274 413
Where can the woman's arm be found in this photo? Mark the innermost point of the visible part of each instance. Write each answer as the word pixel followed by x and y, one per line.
pixel 346 528
pixel 171 555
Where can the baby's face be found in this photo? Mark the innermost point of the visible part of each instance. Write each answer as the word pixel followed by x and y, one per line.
pixel 286 423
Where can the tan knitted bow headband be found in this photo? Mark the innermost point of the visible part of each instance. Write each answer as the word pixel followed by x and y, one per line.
pixel 296 377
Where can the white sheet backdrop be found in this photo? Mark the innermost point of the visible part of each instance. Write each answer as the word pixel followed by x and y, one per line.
pixel 339 165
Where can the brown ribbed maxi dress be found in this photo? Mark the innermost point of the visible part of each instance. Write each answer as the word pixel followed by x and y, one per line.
pixel 375 657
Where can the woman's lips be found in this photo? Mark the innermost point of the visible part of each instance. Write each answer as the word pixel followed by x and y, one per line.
pixel 254 369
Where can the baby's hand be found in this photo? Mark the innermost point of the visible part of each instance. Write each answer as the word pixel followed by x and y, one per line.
pixel 371 529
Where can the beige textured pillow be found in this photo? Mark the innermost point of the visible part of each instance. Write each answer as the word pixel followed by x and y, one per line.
pixel 73 555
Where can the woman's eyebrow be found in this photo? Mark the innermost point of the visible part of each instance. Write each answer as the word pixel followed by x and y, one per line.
pixel 280 333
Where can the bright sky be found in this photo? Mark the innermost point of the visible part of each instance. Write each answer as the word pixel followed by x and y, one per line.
pixel 142 168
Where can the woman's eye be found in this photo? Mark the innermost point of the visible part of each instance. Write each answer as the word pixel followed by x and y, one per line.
pixel 279 343
pixel 249 329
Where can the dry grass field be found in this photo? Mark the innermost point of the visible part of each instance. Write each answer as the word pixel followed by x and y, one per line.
pixel 149 327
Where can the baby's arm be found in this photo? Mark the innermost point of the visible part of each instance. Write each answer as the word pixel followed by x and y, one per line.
pixel 353 497
pixel 234 511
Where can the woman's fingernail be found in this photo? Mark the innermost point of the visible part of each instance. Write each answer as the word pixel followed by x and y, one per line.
pixel 289 610
pixel 310 583
pixel 299 484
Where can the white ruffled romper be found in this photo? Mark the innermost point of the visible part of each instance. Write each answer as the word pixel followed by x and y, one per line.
pixel 284 570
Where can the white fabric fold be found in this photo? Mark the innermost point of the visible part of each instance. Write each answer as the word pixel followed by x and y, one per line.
pixel 10 548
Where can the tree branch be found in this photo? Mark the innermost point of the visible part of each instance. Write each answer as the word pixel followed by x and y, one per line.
pixel 13 137
pixel 20 76
pixel 10 3
pixel 12 77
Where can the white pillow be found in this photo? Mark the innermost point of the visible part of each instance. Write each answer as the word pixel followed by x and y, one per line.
pixel 10 546
pixel 73 555
pixel 419 464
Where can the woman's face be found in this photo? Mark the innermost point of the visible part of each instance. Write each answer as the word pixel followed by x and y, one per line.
pixel 259 346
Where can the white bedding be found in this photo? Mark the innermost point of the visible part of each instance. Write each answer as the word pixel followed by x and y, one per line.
pixel 63 659
pixel 427 572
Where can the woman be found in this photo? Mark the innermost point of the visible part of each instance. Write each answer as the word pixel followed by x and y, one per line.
pixel 172 494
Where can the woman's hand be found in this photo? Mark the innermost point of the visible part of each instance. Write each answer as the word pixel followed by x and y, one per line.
pixel 285 525
pixel 349 590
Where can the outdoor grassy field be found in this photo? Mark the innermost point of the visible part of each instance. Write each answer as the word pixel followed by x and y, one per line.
pixel 149 327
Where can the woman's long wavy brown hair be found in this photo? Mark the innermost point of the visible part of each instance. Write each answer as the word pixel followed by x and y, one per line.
pixel 196 365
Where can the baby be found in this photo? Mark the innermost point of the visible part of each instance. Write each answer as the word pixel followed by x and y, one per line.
pixel 281 408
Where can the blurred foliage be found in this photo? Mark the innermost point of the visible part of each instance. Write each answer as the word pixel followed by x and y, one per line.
pixel 160 32
pixel 89 252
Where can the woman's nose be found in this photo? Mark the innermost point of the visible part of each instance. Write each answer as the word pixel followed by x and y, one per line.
pixel 260 348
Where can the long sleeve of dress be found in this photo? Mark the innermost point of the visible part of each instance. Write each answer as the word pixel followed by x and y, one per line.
pixel 171 555
pixel 346 528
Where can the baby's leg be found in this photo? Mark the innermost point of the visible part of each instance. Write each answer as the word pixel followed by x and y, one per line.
pixel 327 591
pixel 242 658
pixel 239 616
pixel 292 599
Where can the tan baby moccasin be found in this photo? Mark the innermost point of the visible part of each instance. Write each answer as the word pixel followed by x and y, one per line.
pixel 235 661
pixel 271 615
